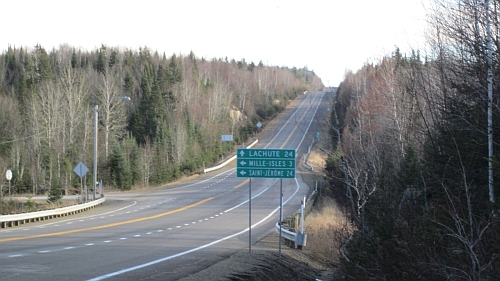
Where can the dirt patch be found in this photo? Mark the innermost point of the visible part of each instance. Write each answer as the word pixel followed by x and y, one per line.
pixel 264 263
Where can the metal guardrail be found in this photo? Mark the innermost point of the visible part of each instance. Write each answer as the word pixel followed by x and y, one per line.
pixel 228 160
pixel 18 219
pixel 299 239
pixel 285 233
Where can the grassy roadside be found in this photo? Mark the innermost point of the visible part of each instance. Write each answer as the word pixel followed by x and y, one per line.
pixel 11 206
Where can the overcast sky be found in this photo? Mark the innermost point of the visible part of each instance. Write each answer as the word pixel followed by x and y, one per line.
pixel 327 36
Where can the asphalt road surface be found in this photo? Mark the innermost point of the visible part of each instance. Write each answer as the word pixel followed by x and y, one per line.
pixel 179 230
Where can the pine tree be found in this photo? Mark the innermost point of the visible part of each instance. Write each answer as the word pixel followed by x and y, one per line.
pixel 120 169
pixel 128 84
pixel 43 66
pixel 113 59
pixel 101 63
pixel 251 66
pixel 174 71
pixel 147 107
pixel 136 128
pixel 74 60
pixel 55 194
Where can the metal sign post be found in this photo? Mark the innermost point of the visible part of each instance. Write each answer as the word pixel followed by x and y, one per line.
pixel 8 175
pixel 250 216
pixel 265 163
pixel 81 170
pixel 281 215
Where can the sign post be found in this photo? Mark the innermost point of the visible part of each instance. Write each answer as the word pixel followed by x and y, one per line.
pixel 81 170
pixel 265 163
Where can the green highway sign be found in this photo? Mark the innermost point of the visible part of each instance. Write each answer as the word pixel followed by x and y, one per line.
pixel 265 163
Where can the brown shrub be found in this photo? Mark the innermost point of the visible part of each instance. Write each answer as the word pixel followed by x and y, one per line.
pixel 323 227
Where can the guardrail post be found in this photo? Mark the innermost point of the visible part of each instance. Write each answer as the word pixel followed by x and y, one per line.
pixel 301 237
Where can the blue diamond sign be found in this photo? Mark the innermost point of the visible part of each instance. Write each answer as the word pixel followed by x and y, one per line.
pixel 81 169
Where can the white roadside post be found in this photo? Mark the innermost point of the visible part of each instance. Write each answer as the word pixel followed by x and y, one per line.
pixel 301 237
pixel 302 207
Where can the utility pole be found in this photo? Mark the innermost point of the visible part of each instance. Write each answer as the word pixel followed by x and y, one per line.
pixel 96 115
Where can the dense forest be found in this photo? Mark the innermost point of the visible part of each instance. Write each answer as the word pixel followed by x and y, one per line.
pixel 411 159
pixel 159 117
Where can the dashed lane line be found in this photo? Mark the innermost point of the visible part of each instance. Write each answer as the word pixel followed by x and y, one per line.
pixel 106 225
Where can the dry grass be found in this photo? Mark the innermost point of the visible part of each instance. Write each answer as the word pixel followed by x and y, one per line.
pixel 17 206
pixel 323 227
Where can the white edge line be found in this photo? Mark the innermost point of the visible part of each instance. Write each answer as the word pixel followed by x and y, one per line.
pixel 206 245
pixel 191 250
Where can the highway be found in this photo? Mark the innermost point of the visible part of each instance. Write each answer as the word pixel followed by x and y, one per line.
pixel 167 233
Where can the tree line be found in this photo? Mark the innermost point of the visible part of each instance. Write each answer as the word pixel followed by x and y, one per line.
pixel 159 117
pixel 410 157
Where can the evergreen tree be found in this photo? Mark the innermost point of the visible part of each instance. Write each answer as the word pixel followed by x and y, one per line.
pixel 113 59
pixel 101 61
pixel 410 170
pixel 74 60
pixel 55 194
pixel 251 66
pixel 147 106
pixel 120 169
pixel 136 128
pixel 174 71
pixel 43 66
pixel 128 84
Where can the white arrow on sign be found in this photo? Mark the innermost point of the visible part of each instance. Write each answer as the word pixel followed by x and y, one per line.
pixel 243 173
pixel 243 163
pixel 242 153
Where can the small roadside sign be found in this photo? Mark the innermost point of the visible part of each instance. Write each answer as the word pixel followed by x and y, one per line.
pixel 8 174
pixel 81 169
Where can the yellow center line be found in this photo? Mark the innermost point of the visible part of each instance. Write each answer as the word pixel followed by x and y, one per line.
pixel 296 126
pixel 106 225
pixel 241 184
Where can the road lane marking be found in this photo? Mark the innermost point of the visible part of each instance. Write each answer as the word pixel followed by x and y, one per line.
pixel 116 273
pixel 241 184
pixel 106 225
